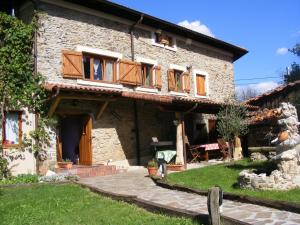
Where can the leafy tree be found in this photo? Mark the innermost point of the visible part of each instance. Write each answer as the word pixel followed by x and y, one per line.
pixel 294 73
pixel 232 123
pixel 20 87
pixel 245 94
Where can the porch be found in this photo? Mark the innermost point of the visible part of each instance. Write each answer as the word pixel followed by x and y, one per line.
pixel 113 127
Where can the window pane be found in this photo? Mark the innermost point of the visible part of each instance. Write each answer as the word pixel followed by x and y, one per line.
pixel 86 66
pixel 178 80
pixel 98 69
pixel 109 70
pixel 148 75
pixel 11 135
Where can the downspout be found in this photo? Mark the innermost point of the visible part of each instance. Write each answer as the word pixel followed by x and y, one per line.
pixel 135 109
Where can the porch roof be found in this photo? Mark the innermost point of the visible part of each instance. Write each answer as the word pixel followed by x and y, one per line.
pixel 173 103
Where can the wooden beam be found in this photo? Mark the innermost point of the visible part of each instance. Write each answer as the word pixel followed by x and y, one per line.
pixel 54 106
pixel 92 98
pixel 101 110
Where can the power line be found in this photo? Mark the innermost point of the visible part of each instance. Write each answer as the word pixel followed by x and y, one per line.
pixel 256 78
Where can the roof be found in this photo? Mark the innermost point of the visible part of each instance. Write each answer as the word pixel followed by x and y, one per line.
pixel 279 91
pixel 158 98
pixel 134 15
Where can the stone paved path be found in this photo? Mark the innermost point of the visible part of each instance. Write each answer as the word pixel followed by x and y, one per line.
pixel 136 183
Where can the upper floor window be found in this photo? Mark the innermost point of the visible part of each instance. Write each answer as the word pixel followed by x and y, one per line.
pixel 201 85
pixel 147 75
pixel 164 39
pixel 178 80
pixel 11 129
pixel 99 68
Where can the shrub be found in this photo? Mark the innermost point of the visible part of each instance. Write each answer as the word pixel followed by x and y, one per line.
pixel 152 163
pixel 21 179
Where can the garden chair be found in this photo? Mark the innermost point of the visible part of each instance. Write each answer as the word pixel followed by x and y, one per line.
pixel 193 150
pixel 223 147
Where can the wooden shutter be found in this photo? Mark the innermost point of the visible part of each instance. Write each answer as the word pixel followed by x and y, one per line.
pixel 158 81
pixel 72 64
pixel 130 72
pixel 186 80
pixel 200 80
pixel 171 80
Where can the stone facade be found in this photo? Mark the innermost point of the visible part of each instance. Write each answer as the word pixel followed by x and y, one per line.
pixel 62 28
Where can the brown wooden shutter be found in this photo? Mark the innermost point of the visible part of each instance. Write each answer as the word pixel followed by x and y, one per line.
pixel 130 72
pixel 72 64
pixel 187 82
pixel 200 80
pixel 171 80
pixel 158 81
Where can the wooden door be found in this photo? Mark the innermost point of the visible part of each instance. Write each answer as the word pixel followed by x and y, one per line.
pixel 212 130
pixel 85 146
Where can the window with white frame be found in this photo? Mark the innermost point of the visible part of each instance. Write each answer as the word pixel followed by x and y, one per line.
pixel 11 129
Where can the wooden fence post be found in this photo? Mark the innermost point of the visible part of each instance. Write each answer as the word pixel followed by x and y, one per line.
pixel 213 201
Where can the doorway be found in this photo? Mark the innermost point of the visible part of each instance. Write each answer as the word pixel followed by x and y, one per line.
pixel 74 139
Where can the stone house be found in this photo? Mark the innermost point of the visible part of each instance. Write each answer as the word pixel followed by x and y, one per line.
pixel 120 77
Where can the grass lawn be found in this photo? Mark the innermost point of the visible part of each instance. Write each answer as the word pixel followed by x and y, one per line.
pixel 71 204
pixel 226 177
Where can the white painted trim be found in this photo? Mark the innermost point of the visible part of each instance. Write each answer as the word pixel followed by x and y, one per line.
pixel 145 60
pixel 146 90
pixel 203 73
pixel 177 67
pixel 178 94
pixel 100 84
pixel 173 48
pixel 98 51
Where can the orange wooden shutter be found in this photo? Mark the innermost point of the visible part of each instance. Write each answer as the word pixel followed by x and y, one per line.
pixel 158 80
pixel 171 80
pixel 186 80
pixel 200 85
pixel 130 72
pixel 72 64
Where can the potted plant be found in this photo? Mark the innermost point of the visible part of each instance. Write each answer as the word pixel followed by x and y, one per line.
pixel 65 164
pixel 152 167
pixel 175 167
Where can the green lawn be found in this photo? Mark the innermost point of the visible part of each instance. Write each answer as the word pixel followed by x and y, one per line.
pixel 225 176
pixel 71 204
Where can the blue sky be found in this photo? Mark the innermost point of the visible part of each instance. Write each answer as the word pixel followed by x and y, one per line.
pixel 261 26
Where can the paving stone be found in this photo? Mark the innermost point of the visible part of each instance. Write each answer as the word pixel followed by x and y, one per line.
pixel 137 183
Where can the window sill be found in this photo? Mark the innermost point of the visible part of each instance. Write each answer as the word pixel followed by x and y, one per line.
pixel 9 146
pixel 100 84
pixel 166 47
pixel 147 89
pixel 175 93
pixel 201 96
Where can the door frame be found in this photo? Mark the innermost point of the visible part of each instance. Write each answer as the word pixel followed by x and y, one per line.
pixel 87 131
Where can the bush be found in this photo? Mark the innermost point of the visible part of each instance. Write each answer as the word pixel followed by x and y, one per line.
pixel 21 179
pixel 152 163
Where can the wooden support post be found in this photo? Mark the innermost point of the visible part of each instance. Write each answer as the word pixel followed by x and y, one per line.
pixel 101 110
pixel 179 140
pixel 213 201
pixel 54 106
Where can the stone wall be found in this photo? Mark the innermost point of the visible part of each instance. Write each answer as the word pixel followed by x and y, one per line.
pixel 113 134
pixel 62 28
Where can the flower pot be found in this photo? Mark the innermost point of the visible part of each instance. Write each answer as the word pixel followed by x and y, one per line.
pixel 175 167
pixel 152 171
pixel 65 165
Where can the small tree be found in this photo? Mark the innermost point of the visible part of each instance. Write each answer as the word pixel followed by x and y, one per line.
pixel 232 123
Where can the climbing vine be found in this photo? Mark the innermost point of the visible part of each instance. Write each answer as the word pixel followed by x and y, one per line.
pixel 20 87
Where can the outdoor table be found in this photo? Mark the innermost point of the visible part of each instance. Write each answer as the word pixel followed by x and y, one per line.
pixel 210 147
pixel 161 144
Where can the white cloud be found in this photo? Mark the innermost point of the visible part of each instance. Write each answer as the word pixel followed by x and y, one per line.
pixel 197 26
pixel 282 51
pixel 260 88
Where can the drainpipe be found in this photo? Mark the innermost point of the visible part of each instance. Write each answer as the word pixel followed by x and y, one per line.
pixel 135 109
